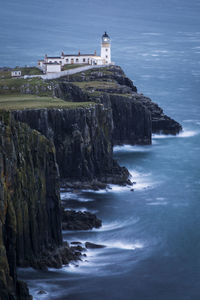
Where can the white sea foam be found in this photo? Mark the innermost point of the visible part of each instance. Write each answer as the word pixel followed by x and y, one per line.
pixel 130 148
pixel 106 227
pixel 117 224
pixel 157 203
pixel 183 134
pixel 143 180
pixel 73 196
pixel 124 245
pixel 82 209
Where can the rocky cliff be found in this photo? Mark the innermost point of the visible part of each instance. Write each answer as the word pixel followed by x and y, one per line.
pixel 29 200
pixel 83 141
pixel 135 117
pixel 30 218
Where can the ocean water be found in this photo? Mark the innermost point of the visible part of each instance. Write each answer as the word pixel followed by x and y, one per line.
pixel 152 234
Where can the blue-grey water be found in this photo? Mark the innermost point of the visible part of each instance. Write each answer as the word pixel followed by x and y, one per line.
pixel 152 234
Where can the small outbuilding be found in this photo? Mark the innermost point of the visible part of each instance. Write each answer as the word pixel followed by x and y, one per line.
pixel 52 67
pixel 16 73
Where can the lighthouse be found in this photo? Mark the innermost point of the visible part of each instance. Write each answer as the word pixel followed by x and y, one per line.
pixel 106 48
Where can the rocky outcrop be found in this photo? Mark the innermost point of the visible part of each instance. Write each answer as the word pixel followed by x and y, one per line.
pixel 135 116
pixel 161 123
pixel 83 141
pixel 77 220
pixel 107 74
pixel 30 223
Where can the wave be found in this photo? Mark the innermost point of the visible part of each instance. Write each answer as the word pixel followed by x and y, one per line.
pixel 73 196
pixel 118 224
pixel 82 209
pixel 157 203
pixel 131 148
pixel 124 245
pixel 143 180
pixel 183 134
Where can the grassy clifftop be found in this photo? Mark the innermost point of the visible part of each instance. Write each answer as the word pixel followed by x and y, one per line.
pixel 20 102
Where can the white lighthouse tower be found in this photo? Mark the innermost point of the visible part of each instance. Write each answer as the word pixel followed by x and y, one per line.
pixel 106 48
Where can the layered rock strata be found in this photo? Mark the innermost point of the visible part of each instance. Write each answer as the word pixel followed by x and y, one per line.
pixel 83 142
pixel 135 116
pixel 30 220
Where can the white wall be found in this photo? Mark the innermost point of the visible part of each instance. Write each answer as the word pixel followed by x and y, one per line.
pixel 106 53
pixel 75 58
pixel 16 73
pixel 51 68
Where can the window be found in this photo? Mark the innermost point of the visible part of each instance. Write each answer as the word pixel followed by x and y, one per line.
pixel 106 49
pixel 67 59
pixel 83 59
pixel 61 61
pixel 77 60
pixel 106 56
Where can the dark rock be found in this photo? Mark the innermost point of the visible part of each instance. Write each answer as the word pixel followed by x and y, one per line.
pixel 161 123
pixel 73 220
pixel 41 292
pixel 78 248
pixel 134 115
pixel 83 142
pixel 132 190
pixel 89 245
pixel 75 243
pixel 30 221
pixel 22 291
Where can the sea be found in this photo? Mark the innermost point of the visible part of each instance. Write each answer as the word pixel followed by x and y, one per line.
pixel 151 234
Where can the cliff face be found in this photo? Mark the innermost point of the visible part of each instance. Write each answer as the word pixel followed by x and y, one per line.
pixel 82 138
pixel 135 116
pixel 104 86
pixel 29 199
pixel 161 123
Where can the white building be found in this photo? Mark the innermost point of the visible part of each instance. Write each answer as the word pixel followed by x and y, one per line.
pixel 52 67
pixel 16 73
pixel 53 64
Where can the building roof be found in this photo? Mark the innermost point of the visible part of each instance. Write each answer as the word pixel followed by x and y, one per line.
pixel 53 57
pixel 79 54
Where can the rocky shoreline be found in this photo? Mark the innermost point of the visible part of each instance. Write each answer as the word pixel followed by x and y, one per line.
pixel 43 149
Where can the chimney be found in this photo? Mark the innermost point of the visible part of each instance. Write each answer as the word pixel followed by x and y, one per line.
pixel 95 52
pixel 79 53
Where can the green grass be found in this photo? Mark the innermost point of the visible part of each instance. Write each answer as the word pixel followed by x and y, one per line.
pixel 24 70
pixel 96 84
pixel 21 102
pixel 73 66
pixel 19 86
